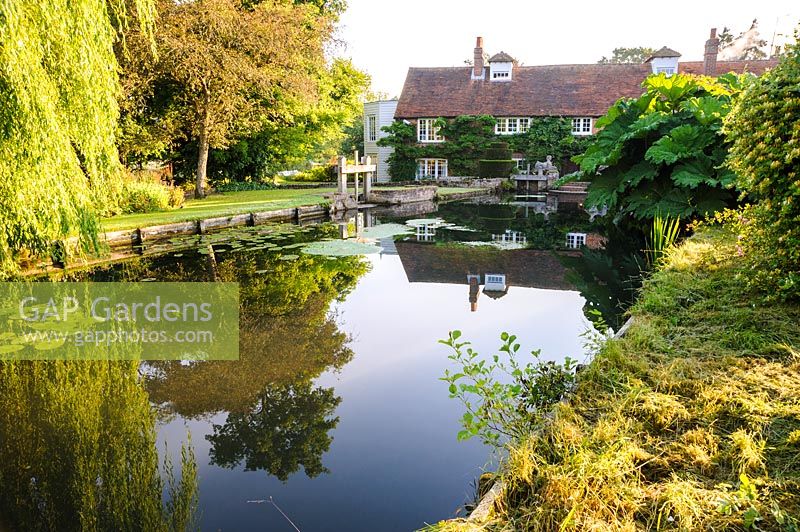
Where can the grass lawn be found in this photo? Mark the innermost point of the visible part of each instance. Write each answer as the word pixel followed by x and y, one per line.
pixel 236 203
pixel 222 205
pixel 690 422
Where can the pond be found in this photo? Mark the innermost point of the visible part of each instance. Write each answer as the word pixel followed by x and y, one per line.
pixel 334 418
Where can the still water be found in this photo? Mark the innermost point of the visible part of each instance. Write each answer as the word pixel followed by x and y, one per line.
pixel 335 411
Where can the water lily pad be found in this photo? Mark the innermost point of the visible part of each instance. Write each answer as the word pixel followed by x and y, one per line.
pixel 419 222
pixel 10 348
pixel 384 231
pixel 289 257
pixel 261 271
pixel 48 345
pixel 340 248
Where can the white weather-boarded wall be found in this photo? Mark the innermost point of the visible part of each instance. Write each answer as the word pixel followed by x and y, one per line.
pixel 384 114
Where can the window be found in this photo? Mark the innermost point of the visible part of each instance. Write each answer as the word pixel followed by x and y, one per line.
pixel 665 70
pixel 498 75
pixel 576 240
pixel 581 126
pixel 431 168
pixel 511 126
pixel 427 131
pixel 372 128
pixel 520 163
pixel 495 279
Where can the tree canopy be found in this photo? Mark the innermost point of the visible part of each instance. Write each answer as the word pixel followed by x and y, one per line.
pixel 637 55
pixel 58 110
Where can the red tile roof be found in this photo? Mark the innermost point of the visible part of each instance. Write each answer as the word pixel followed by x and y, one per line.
pixel 555 90
pixel 723 67
pixel 568 90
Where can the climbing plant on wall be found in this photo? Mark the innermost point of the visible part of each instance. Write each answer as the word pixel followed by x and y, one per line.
pixel 58 110
pixel 467 139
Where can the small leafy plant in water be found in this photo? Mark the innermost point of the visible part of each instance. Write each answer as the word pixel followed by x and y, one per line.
pixel 504 398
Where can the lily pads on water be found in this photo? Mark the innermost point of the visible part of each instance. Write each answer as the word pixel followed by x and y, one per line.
pixel 419 222
pixel 289 257
pixel 384 231
pixel 340 248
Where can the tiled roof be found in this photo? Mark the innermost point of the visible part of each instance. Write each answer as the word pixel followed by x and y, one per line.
pixel 663 52
pixel 723 67
pixel 502 57
pixel 557 90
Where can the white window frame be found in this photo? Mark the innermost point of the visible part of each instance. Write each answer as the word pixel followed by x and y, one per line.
pixel 495 278
pixel 582 126
pixel 575 240
pixel 431 168
pixel 427 131
pixel 511 125
pixel 502 74
pixel 520 162
pixel 669 71
pixel 372 128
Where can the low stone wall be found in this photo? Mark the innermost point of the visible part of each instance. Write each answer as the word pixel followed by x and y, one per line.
pixel 403 195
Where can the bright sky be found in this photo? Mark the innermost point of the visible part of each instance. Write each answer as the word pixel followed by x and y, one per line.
pixel 386 37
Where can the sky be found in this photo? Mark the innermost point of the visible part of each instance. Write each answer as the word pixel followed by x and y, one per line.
pixel 386 37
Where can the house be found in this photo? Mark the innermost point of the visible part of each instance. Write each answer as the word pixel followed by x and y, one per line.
pixel 514 94
pixel 376 116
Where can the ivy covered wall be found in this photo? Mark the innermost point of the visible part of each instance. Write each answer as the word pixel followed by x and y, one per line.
pixel 468 137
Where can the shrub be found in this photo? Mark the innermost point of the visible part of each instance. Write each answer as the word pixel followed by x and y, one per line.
pixel 318 174
pixel 664 152
pixel 498 162
pixel 242 186
pixel 764 132
pixel 144 196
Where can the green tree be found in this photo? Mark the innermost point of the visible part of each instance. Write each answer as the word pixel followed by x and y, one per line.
pixel 635 55
pixel 236 65
pixel 765 153
pixel 403 160
pixel 664 151
pixel 58 110
pixel 549 135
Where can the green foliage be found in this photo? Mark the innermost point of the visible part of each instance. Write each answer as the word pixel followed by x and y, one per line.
pixel 497 161
pixel 319 174
pixel 636 55
pixel 58 117
pixel 403 160
pixel 144 196
pixel 765 153
pixel 548 135
pixel 78 451
pixel 240 186
pixel 664 151
pixel 467 139
pixel 503 398
pixel 663 236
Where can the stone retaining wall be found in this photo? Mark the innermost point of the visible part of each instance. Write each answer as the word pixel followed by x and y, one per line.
pixel 404 195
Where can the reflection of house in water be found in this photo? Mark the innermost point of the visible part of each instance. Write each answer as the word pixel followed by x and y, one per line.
pixel 496 270
pixel 511 237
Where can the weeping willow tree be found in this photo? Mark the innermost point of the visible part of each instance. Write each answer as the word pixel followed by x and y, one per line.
pixel 58 115
pixel 78 451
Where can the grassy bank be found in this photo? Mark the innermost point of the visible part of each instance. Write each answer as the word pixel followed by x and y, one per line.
pixel 232 203
pixel 689 422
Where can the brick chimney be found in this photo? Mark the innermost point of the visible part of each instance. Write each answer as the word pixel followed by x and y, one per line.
pixel 710 57
pixel 477 64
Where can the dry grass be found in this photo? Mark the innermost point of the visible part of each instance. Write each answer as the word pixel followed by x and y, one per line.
pixel 705 386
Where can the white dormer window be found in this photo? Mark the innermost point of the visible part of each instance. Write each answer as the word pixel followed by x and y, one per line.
pixel 501 67
pixel 427 131
pixel 665 70
pixel 581 126
pixel 498 75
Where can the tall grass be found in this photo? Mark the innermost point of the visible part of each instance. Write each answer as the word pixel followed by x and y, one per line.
pixel 663 236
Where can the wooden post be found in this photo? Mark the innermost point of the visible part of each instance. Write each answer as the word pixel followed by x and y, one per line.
pixel 342 184
pixel 368 181
pixel 355 189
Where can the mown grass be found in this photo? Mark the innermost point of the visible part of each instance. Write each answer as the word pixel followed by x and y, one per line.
pixel 705 386
pixel 231 203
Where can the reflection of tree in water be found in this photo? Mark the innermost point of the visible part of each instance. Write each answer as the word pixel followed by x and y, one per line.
pixel 276 420
pixel 78 451
pixel 287 428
